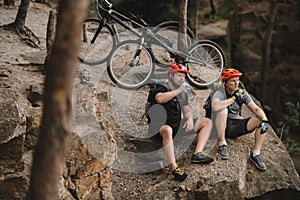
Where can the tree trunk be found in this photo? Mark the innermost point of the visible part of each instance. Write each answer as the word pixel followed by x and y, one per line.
pixel 57 114
pixel 9 2
pixel 267 50
pixel 21 16
pixel 182 24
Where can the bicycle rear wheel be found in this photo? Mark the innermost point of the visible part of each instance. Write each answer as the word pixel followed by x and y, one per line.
pixel 95 52
pixel 121 69
pixel 214 59
pixel 168 30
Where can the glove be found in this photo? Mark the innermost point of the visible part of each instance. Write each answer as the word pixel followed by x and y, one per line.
pixel 264 125
pixel 238 96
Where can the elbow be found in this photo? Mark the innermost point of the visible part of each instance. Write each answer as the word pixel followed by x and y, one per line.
pixel 214 107
pixel 159 99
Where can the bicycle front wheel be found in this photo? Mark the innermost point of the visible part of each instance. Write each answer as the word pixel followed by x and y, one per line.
pixel 128 66
pixel 95 45
pixel 203 75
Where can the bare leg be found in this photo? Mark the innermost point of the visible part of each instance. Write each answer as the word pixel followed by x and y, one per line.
pixel 203 126
pixel 258 138
pixel 220 123
pixel 167 142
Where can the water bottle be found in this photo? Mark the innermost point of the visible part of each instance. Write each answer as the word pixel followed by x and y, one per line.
pixel 187 90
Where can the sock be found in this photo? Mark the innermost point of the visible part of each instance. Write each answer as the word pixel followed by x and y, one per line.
pixel 221 143
pixel 256 153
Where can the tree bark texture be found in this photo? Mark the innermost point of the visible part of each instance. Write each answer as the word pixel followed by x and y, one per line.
pixel 267 50
pixel 21 15
pixel 182 24
pixel 49 156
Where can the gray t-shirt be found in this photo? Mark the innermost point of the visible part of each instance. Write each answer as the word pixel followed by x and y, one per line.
pixel 233 109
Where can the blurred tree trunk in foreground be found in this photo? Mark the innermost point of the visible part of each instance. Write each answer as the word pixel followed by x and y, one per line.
pixel 49 156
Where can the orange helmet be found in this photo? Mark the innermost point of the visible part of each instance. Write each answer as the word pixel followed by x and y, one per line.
pixel 230 73
pixel 177 68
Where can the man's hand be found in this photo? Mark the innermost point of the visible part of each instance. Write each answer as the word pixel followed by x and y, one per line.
pixel 183 85
pixel 264 125
pixel 188 125
pixel 238 96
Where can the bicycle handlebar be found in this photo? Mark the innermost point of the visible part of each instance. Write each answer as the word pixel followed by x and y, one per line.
pixel 108 4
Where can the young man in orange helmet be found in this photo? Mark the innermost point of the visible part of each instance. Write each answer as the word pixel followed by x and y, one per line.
pixel 229 124
pixel 171 103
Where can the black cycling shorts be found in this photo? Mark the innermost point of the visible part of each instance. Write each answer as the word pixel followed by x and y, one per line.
pixel 177 128
pixel 236 127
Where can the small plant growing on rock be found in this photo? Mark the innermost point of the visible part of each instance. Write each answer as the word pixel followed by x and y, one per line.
pixel 289 125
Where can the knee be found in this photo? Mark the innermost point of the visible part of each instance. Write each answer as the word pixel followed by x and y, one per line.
pixel 201 123
pixel 166 132
pixel 253 123
pixel 207 122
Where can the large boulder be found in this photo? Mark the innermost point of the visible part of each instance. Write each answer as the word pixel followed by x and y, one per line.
pixel 237 177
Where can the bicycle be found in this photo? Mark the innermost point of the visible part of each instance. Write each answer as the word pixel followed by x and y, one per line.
pixel 99 37
pixel 131 64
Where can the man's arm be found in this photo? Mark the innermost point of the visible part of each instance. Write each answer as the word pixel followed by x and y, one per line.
pixel 164 97
pixel 257 111
pixel 188 116
pixel 218 105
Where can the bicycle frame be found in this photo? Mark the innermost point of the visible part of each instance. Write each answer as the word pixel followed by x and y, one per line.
pixel 119 18
pixel 147 34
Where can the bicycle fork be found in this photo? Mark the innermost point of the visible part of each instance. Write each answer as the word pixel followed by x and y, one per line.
pixel 136 57
pixel 102 22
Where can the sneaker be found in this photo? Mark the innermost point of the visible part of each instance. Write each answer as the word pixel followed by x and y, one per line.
pixel 179 174
pixel 258 162
pixel 223 152
pixel 201 158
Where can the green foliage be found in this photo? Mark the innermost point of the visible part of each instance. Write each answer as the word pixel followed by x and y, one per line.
pixel 292 147
pixel 290 125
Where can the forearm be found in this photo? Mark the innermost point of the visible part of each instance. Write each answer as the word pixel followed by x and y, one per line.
pixel 188 115
pixel 167 96
pixel 260 114
pixel 218 105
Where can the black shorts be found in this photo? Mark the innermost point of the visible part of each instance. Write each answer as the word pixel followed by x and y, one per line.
pixel 236 127
pixel 176 129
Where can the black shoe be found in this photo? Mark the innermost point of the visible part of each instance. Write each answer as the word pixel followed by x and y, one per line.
pixel 179 174
pixel 201 158
pixel 258 162
pixel 223 152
